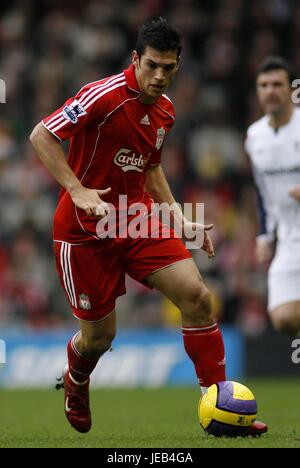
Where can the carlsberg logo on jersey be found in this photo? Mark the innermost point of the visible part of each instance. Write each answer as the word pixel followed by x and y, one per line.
pixel 129 161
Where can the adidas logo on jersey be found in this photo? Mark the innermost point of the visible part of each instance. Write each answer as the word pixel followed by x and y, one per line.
pixel 145 120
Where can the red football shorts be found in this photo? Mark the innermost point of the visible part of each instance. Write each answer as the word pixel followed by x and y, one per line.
pixel 93 274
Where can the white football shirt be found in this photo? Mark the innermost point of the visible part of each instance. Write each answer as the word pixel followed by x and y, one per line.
pixel 275 159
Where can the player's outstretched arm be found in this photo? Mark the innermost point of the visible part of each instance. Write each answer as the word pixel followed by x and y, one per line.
pixel 52 155
pixel 264 249
pixel 158 187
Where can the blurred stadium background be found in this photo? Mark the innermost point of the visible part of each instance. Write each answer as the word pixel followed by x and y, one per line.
pixel 49 49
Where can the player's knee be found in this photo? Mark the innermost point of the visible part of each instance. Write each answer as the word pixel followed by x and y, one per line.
pixel 99 344
pixel 103 343
pixel 197 304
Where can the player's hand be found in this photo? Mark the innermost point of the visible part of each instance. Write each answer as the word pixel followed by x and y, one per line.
pixel 295 193
pixel 90 201
pixel 205 242
pixel 264 250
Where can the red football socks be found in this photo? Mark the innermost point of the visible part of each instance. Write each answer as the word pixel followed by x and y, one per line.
pixel 205 347
pixel 80 367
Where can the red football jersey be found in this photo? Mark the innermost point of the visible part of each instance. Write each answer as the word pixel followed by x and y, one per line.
pixel 114 137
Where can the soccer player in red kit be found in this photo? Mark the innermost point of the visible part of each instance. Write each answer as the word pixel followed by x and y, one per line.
pixel 116 128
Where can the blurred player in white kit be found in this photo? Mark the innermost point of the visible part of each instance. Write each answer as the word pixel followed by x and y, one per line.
pixel 273 145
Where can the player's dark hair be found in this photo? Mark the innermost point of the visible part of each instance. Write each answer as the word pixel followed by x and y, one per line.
pixel 275 62
pixel 159 35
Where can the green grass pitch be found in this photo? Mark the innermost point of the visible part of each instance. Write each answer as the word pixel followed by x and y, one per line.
pixel 155 418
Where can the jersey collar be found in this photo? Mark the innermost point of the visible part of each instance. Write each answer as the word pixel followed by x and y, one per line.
pixel 131 79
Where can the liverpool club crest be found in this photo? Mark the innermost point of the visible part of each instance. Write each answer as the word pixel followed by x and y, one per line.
pixel 160 137
pixel 84 302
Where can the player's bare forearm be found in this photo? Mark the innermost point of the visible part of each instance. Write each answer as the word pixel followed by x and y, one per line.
pixel 52 156
pixel 264 249
pixel 158 187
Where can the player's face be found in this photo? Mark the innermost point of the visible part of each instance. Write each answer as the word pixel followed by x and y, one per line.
pixel 154 72
pixel 274 91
